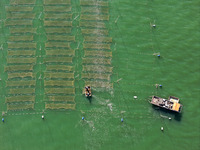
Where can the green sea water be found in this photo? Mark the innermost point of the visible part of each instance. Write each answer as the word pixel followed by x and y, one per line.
pixel 136 71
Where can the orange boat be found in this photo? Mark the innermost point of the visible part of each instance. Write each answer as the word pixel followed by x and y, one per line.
pixel 171 104
pixel 88 92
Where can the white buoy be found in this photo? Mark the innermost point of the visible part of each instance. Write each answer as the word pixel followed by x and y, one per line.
pixel 162 129
pixel 42 116
pixel 135 97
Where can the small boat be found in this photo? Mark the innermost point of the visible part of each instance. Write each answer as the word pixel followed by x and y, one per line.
pixel 88 92
pixel 172 103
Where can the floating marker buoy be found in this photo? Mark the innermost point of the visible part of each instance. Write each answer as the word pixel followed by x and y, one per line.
pixel 42 116
pixel 122 120
pixel 162 129
pixel 2 119
pixel 82 118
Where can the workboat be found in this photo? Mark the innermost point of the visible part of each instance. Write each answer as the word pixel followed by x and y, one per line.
pixel 88 92
pixel 172 103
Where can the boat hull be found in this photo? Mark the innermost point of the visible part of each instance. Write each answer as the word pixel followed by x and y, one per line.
pixel 88 92
pixel 171 104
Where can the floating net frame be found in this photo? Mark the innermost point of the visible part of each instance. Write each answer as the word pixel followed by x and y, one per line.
pixel 97 53
pixel 98 39
pixel 57 23
pixel 66 91
pixel 97 68
pixel 22 30
pixel 59 68
pixel 58 75
pixel 19 8
pixel 99 84
pixel 58 83
pixel 22 2
pixel 95 17
pixel 55 30
pixel 14 68
pixel 18 22
pixel 92 24
pixel 57 2
pixel 96 46
pixel 20 75
pixel 14 91
pixel 61 98
pixel 21 83
pixel 60 106
pixel 21 45
pixel 20 106
pixel 61 38
pixel 94 3
pixel 59 16
pixel 99 61
pixel 20 15
pixel 61 52
pixel 96 76
pixel 21 98
pixel 21 52
pixel 24 38
pixel 94 31
pixel 57 45
pixel 58 60
pixel 94 10
pixel 21 60
pixel 57 9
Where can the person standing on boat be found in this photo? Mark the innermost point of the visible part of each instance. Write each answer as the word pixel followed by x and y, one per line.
pixel 87 89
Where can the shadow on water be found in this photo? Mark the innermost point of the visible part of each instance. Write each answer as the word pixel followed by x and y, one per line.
pixel 89 99
pixel 167 113
pixel 178 116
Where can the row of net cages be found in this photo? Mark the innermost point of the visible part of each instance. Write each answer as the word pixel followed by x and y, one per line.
pixel 21 56
pixel 96 63
pixel 39 56
pixel 59 75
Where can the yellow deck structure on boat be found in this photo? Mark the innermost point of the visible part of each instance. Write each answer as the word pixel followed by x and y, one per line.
pixel 176 106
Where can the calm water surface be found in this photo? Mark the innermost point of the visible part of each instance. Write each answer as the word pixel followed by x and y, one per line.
pixel 136 70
